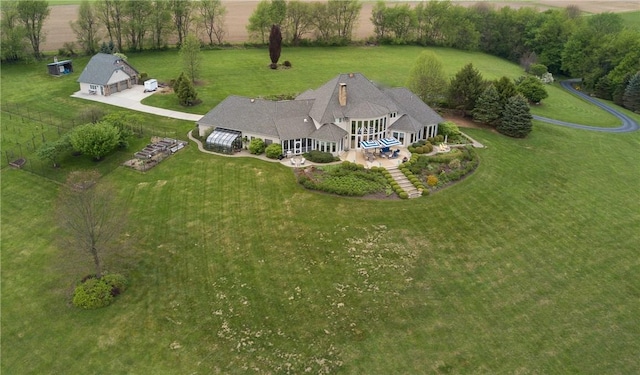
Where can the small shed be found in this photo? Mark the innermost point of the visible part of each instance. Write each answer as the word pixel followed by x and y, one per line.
pixel 58 68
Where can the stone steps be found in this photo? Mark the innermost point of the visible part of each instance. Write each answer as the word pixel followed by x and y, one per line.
pixel 404 182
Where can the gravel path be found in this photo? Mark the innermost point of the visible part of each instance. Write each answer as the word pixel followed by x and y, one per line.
pixel 628 124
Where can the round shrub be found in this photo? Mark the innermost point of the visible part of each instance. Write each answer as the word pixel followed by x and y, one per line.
pixel 403 195
pixel 93 294
pixel 117 282
pixel 454 164
pixel 273 151
pixel 319 156
pixel 273 66
pixel 432 180
pixel 256 146
pixel 287 63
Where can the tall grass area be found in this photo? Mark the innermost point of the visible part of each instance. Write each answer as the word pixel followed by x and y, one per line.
pixel 527 266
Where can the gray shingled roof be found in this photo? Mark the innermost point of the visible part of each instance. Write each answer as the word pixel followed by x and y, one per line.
pixel 360 93
pixel 413 106
pixel 286 119
pixel 100 68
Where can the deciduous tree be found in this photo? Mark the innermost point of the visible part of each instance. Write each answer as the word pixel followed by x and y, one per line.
pixel 212 13
pixel 12 33
pixel 51 151
pixel 533 89
pixel 427 79
pixel 159 23
pixel 191 57
pixel 111 14
pixel 137 24
pixel 88 218
pixel 260 21
pixel 298 21
pixel 181 13
pixel 95 140
pixel 86 28
pixel 32 14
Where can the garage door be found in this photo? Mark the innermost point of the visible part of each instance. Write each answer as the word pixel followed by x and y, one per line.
pixel 113 88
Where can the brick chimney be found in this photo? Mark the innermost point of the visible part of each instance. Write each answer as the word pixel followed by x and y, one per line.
pixel 342 94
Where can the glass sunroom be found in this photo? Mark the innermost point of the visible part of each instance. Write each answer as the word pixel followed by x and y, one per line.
pixel 224 141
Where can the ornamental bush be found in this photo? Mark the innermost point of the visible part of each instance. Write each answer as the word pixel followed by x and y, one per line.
pixel 256 146
pixel 273 151
pixel 92 294
pixel 432 180
pixel 319 156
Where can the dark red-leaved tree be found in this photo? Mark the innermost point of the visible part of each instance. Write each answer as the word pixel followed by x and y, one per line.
pixel 275 45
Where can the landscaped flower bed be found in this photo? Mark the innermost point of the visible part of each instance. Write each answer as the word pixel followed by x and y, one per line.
pixel 344 179
pixel 441 170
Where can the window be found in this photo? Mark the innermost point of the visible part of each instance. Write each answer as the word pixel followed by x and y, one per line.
pixel 93 87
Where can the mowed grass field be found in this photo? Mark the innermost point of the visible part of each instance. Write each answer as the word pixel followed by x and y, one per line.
pixel 528 266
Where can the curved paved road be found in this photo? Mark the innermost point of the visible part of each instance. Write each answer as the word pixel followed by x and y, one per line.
pixel 628 124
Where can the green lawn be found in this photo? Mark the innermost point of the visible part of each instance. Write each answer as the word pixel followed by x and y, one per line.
pixel 245 72
pixel 528 266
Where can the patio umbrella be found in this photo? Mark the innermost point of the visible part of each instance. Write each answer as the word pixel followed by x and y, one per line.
pixel 369 144
pixel 388 142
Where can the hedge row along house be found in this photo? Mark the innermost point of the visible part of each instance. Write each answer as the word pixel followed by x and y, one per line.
pixel 106 74
pixel 348 112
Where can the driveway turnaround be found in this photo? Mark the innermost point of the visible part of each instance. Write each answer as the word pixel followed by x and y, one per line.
pixel 131 98
pixel 628 124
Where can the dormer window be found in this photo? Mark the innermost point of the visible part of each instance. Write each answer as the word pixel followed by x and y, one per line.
pixel 393 114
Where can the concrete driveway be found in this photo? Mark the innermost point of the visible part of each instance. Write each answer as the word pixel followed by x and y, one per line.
pixel 131 99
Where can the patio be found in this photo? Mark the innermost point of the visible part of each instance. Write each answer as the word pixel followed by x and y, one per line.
pixel 373 158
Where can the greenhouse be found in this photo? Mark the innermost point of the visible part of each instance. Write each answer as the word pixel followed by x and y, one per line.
pixel 224 141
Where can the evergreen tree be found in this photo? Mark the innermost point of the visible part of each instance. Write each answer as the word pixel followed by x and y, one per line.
pixel 465 88
pixel 516 118
pixel 488 108
pixel 275 45
pixel 186 92
pixel 618 91
pixel 506 89
pixel 631 97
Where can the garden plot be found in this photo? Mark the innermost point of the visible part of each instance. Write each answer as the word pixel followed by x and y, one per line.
pixel 156 151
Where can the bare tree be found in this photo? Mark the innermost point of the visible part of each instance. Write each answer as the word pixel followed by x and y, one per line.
pixel 181 13
pixel 88 217
pixel 212 13
pixel 86 28
pixel 111 14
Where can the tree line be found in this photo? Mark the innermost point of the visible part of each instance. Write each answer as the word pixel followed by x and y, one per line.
pixel 125 25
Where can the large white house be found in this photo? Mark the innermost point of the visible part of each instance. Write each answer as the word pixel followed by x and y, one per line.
pixel 106 74
pixel 348 112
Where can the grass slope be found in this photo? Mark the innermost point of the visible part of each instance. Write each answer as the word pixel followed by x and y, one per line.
pixel 529 265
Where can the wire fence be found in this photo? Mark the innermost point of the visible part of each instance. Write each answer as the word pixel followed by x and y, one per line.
pixel 25 130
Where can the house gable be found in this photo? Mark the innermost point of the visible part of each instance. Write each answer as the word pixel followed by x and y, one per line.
pixel 101 69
